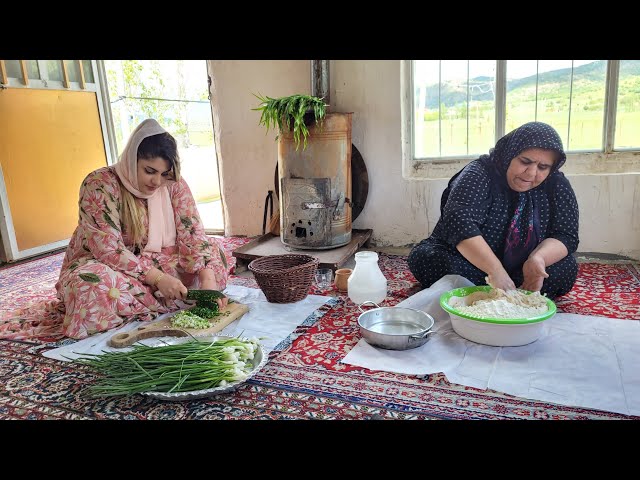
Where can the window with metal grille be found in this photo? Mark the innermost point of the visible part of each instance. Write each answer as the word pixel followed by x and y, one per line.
pixel 455 110
pixel 53 74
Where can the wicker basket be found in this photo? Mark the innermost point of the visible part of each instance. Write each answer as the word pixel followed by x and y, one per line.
pixel 284 278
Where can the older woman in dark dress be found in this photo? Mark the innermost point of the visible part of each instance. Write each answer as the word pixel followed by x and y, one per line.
pixel 511 216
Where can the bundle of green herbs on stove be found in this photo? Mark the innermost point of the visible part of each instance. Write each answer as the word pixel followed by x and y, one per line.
pixel 293 113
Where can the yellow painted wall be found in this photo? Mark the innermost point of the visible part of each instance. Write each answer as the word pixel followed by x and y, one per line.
pixel 49 141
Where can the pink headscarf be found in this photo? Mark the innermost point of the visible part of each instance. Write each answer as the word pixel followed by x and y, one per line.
pixel 162 224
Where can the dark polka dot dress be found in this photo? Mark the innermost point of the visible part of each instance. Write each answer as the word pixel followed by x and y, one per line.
pixel 478 201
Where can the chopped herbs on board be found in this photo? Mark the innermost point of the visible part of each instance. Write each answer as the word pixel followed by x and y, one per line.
pixel 205 298
pixel 197 317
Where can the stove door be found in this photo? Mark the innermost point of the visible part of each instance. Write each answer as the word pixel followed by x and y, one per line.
pixel 306 222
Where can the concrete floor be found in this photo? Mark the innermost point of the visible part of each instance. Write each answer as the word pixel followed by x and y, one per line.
pixel 583 257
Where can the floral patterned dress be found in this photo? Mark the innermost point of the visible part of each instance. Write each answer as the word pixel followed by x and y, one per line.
pixel 101 284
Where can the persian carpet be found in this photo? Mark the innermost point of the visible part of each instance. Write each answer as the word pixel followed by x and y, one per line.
pixel 305 379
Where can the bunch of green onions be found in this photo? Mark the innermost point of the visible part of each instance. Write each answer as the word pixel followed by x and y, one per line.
pixel 183 367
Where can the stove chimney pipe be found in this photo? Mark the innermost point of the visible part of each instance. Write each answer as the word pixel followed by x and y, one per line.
pixel 320 79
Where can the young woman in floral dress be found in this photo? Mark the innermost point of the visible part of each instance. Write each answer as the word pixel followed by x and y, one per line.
pixel 138 246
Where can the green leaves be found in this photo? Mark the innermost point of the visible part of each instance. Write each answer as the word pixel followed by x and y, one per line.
pixel 107 219
pixel 223 257
pixel 90 277
pixel 184 367
pixel 288 113
pixel 205 298
pixel 186 221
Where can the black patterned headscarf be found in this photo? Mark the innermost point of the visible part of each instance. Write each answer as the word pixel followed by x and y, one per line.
pixel 523 234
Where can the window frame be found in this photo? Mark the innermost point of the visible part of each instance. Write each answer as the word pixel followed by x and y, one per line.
pixel 45 83
pixel 606 161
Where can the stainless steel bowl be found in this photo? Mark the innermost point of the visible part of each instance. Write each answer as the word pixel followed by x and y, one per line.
pixel 394 328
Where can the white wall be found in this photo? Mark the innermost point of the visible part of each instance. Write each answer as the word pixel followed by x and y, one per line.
pixel 400 211
pixel 609 213
pixel 247 154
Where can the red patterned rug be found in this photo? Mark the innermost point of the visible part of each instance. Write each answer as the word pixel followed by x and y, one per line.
pixel 604 290
pixel 305 380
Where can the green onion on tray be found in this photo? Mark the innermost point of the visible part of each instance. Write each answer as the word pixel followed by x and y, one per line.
pixel 184 367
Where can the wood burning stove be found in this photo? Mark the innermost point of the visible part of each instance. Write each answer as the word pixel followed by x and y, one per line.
pixel 315 190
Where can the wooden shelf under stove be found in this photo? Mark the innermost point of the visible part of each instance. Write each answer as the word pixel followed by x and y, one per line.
pixel 269 244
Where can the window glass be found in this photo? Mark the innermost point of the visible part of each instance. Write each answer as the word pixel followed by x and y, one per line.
pixel 72 70
pixel 453 107
pixel 482 90
pixel 628 108
pixel 33 71
pixel 13 68
pixel 88 72
pixel 554 93
pixel 426 78
pixel 455 103
pixel 559 92
pixel 587 106
pixel 522 93
pixel 54 70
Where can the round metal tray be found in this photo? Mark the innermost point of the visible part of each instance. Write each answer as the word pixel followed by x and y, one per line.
pixel 259 360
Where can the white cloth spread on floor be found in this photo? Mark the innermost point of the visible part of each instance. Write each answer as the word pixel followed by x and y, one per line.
pixel 272 322
pixel 579 360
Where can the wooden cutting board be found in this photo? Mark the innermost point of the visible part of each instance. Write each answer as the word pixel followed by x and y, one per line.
pixel 163 328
